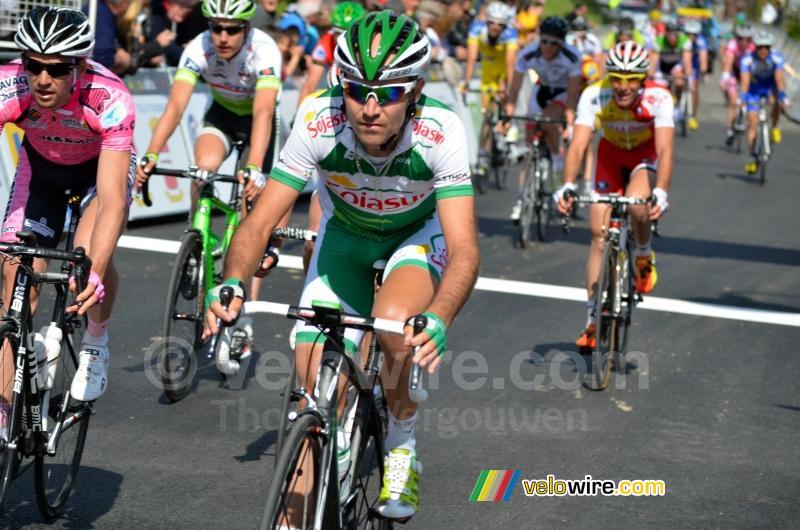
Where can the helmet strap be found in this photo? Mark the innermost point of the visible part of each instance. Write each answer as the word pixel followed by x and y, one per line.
pixel 74 75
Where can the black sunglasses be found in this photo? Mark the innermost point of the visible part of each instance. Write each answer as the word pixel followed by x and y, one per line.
pixel 53 69
pixel 550 42
pixel 230 30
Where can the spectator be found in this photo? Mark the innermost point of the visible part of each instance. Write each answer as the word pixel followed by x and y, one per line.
pixel 528 17
pixel 172 24
pixel 107 48
pixel 303 17
pixel 266 14
pixel 460 13
pixel 427 13
pixel 292 52
pixel 409 6
pixel 581 10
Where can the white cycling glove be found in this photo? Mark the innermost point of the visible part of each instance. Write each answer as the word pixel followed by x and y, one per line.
pixel 253 172
pixel 661 199
pixel 559 194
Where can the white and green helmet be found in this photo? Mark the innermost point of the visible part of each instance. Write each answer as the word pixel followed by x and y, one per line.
pixel 403 51
pixel 229 9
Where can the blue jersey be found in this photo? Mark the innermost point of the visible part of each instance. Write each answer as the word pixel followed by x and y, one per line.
pixel 762 73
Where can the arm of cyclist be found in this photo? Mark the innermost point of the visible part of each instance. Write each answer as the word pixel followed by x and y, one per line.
pixel 573 93
pixel 247 249
pixel 513 92
pixel 703 64
pixel 780 84
pixel 665 141
pixel 511 61
pixel 687 65
pixel 469 69
pixel 457 217
pixel 167 123
pixel 581 140
pixel 263 118
pixel 112 212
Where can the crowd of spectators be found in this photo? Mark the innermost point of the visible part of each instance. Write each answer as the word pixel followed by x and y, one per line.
pixel 133 34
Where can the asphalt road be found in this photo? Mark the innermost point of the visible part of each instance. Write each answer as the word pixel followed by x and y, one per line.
pixel 712 409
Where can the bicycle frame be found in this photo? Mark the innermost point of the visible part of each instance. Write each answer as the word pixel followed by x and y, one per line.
pixel 207 204
pixel 27 371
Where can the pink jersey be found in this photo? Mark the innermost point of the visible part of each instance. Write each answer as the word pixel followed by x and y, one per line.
pixel 734 50
pixel 100 115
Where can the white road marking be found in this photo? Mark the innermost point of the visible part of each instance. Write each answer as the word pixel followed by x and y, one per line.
pixel 541 290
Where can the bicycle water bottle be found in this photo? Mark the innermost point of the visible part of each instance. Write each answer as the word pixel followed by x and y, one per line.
pixel 41 359
pixel 52 345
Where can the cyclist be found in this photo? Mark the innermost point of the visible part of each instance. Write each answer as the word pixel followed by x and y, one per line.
pixel 735 49
pixel 343 16
pixel 694 30
pixel 762 77
pixel 394 184
pixel 558 67
pixel 78 121
pixel 242 66
pixel 625 30
pixel 634 158
pixel 495 41
pixel 673 57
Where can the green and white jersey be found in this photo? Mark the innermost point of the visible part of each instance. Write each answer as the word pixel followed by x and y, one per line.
pixel 233 83
pixel 376 198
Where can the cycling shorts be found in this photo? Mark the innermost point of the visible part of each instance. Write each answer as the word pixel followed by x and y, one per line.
pixel 754 95
pixel 341 269
pixel 231 128
pixel 38 199
pixel 671 69
pixel 615 166
pixel 543 96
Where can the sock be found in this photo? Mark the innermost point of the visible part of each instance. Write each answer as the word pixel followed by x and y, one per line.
pixel 589 312
pixel 642 250
pixel 401 434
pixel 97 332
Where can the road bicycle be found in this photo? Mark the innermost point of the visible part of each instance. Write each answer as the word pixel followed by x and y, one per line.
pixel 763 144
pixel 197 269
pixel 492 149
pixel 615 295
pixel 739 128
pixel 307 476
pixel 539 182
pixel 47 426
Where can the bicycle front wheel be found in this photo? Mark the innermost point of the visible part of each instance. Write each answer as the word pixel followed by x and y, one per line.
pixel 366 444
pixel 183 319
pixel 9 458
pixel 606 330
pixel 292 498
pixel 544 208
pixel 529 191
pixel 55 475
pixel 763 155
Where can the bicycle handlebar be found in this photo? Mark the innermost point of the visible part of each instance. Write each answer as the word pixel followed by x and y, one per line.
pixel 194 173
pixel 539 118
pixel 307 314
pixel 293 232
pixel 613 200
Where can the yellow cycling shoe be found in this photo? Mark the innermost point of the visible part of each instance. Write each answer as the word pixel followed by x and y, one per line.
pixel 646 275
pixel 693 123
pixel 776 135
pixel 751 167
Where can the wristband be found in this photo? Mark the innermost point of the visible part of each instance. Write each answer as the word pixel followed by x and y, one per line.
pixel 149 157
pixel 235 283
pixel 99 288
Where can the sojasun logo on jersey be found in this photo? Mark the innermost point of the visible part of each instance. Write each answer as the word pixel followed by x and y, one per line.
pixel 383 201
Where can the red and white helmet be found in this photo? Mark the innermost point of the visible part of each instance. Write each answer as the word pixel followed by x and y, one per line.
pixel 628 57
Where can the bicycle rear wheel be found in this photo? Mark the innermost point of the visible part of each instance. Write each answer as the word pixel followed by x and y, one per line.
pixel 763 155
pixel 183 319
pixel 9 458
pixel 286 404
pixel 292 497
pixel 606 329
pixel 55 475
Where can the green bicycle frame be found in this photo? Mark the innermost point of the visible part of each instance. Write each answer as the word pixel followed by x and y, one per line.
pixel 207 204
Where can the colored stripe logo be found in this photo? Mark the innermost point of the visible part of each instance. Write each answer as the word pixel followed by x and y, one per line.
pixel 495 485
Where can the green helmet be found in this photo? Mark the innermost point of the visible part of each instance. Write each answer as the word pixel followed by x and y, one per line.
pixel 346 14
pixel 230 9
pixel 403 51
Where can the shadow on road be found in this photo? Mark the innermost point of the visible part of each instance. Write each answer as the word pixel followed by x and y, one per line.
pixel 789 407
pixel 95 493
pixel 258 447
pixel 747 179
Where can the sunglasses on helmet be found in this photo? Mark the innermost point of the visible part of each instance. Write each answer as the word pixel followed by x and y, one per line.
pixel 383 94
pixel 233 29
pixel 53 69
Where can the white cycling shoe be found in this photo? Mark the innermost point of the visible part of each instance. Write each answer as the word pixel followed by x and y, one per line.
pixel 91 379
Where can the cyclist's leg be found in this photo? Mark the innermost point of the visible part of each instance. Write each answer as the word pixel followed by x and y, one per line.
pixel 409 283
pixel 36 206
pixel 752 121
pixel 642 181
